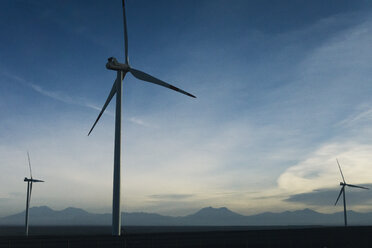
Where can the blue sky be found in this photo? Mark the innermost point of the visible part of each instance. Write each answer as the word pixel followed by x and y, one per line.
pixel 283 88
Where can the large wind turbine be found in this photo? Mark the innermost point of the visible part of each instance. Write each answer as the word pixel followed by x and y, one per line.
pixel 29 190
pixel 122 70
pixel 342 191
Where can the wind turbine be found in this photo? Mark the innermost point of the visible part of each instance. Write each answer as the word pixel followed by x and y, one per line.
pixel 29 190
pixel 121 71
pixel 342 191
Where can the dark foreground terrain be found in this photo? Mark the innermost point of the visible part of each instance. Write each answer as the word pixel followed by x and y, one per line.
pixel 215 237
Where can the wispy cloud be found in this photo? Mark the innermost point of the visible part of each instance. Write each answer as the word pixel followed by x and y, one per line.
pixel 59 96
pixel 320 169
pixel 327 197
pixel 360 117
pixel 140 122
pixel 331 100
pixel 62 97
pixel 14 77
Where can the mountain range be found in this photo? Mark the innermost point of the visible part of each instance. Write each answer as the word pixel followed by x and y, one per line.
pixel 205 217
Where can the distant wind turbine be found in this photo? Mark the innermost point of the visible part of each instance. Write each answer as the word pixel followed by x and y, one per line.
pixel 342 191
pixel 29 190
pixel 121 70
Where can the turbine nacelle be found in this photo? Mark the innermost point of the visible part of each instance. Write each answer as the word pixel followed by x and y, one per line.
pixel 342 184
pixel 114 65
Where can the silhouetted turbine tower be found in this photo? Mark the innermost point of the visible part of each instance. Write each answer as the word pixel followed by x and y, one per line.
pixel 121 70
pixel 29 190
pixel 342 191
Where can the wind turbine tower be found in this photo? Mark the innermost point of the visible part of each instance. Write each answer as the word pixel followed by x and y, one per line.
pixel 29 190
pixel 343 184
pixel 121 70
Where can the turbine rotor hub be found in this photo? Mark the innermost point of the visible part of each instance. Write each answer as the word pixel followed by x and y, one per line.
pixel 341 183
pixel 114 65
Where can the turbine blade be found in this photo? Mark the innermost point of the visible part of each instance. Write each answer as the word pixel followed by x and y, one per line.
pixel 148 78
pixel 29 164
pixel 125 34
pixel 29 198
pixel 37 181
pixel 341 191
pixel 356 186
pixel 340 170
pixel 112 93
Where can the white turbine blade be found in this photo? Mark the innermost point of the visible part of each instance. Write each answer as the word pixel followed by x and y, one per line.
pixel 148 78
pixel 112 93
pixel 356 186
pixel 125 34
pixel 29 164
pixel 341 191
pixel 340 170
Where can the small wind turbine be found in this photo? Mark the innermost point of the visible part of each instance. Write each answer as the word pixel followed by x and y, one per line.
pixel 29 190
pixel 121 70
pixel 342 191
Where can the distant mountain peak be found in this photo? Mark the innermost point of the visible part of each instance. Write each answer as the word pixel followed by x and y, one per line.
pixel 211 211
pixel 215 209
pixel 308 210
pixel 73 211
pixel 41 208
pixel 72 208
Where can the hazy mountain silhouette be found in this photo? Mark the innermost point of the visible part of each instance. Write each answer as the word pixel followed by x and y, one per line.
pixel 216 216
pixel 205 217
pixel 46 216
